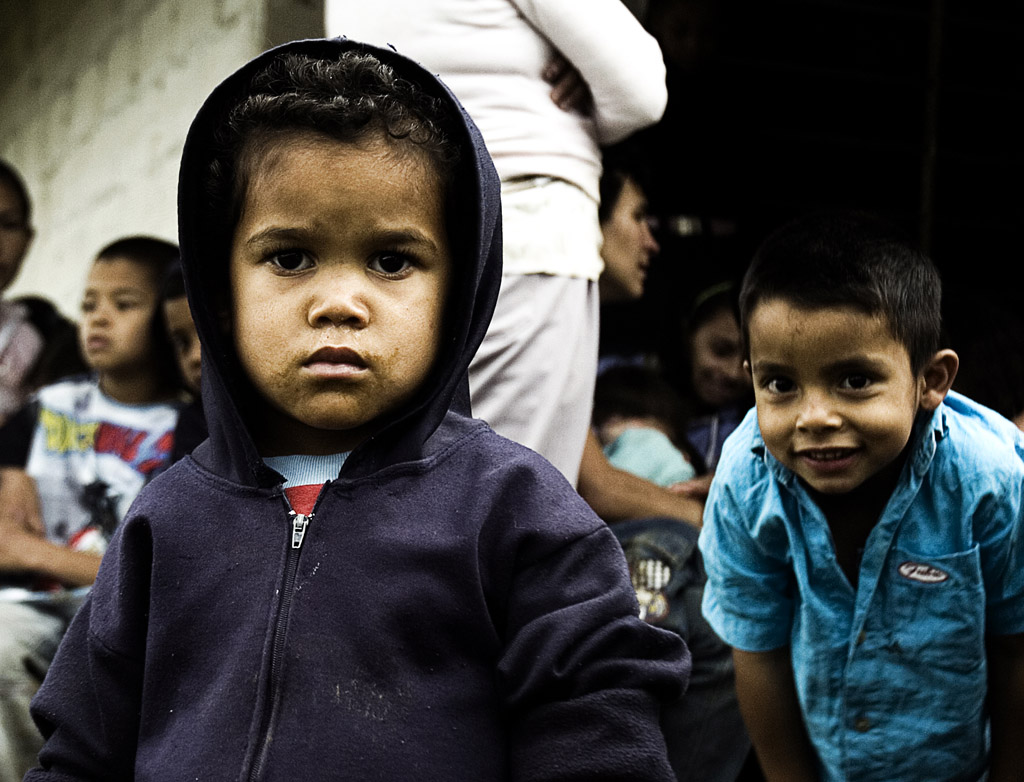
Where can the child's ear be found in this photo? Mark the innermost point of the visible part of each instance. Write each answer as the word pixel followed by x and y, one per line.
pixel 937 378
pixel 746 367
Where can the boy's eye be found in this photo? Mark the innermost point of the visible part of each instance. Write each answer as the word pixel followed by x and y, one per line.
pixel 390 264
pixel 292 261
pixel 855 382
pixel 779 385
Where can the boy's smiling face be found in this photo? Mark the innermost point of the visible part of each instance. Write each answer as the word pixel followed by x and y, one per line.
pixel 836 396
pixel 339 270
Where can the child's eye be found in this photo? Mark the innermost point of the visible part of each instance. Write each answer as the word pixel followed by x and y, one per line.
pixel 855 382
pixel 88 306
pixel 123 305
pixel 291 260
pixel 390 264
pixel 779 385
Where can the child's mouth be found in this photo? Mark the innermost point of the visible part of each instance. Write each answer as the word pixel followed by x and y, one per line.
pixel 825 460
pixel 336 362
pixel 826 454
pixel 96 343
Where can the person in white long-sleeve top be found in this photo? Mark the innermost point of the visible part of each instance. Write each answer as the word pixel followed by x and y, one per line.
pixel 549 83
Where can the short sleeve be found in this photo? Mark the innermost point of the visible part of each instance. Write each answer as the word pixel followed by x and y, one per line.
pixel 749 595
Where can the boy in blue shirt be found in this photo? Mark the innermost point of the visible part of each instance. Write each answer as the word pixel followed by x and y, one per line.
pixel 863 535
pixel 352 578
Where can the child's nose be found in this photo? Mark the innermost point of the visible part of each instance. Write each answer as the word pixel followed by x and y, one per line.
pixel 651 245
pixel 340 300
pixel 99 314
pixel 818 412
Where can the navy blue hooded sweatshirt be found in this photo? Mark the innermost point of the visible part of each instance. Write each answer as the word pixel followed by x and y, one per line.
pixel 454 610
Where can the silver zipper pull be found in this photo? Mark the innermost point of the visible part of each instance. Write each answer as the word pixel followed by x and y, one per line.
pixel 299 523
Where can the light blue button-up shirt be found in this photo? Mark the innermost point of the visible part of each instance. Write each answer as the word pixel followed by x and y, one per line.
pixel 891 676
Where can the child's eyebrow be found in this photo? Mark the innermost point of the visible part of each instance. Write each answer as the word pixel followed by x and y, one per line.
pixel 770 368
pixel 123 291
pixel 856 364
pixel 392 236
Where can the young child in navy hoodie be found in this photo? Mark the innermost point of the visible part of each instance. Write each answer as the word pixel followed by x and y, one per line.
pixel 352 578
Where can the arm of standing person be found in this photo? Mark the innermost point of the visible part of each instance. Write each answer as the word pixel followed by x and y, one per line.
pixel 616 495
pixel 1006 706
pixel 768 703
pixel 620 62
pixel 568 89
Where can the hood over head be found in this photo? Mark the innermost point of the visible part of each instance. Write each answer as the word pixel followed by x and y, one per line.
pixel 474 225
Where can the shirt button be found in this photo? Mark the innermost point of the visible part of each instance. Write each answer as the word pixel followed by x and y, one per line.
pixel 862 725
pixel 860 637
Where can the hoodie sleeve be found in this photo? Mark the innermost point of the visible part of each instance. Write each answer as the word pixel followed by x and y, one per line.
pixel 583 677
pixel 619 60
pixel 88 707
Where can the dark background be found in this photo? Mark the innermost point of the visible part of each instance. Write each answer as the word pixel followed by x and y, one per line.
pixel 908 108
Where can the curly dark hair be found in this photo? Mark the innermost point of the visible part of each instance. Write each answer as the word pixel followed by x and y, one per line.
pixel 354 98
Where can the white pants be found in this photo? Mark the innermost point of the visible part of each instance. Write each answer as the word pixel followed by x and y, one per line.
pixel 28 641
pixel 533 378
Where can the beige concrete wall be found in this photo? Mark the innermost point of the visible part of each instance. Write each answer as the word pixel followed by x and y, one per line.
pixel 95 99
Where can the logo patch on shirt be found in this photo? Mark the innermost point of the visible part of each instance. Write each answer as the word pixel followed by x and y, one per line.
pixel 919 571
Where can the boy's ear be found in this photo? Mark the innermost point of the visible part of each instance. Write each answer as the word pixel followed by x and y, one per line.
pixel 746 367
pixel 937 378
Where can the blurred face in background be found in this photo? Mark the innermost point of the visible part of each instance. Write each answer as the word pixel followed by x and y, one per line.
pixel 15 234
pixel 628 246
pixel 185 341
pixel 716 350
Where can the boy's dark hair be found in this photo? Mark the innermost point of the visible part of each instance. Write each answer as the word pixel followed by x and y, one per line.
pixel 10 177
pixel 352 99
pixel 157 256
pixel 850 259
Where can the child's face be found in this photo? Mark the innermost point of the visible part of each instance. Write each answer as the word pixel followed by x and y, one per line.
pixel 628 246
pixel 14 234
pixel 716 356
pixel 182 331
pixel 117 313
pixel 339 269
pixel 836 397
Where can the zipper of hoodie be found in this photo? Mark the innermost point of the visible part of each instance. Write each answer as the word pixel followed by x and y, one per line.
pixel 299 523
